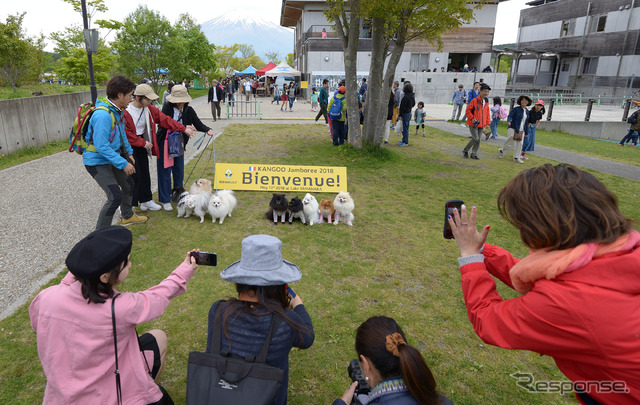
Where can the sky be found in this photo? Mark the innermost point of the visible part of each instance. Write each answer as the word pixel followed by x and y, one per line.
pixel 47 16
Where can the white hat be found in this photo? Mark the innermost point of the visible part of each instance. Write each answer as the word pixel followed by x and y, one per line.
pixel 179 94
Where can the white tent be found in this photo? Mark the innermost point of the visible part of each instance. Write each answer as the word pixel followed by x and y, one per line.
pixel 282 70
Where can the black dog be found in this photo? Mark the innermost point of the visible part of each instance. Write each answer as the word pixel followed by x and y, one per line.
pixel 296 210
pixel 279 205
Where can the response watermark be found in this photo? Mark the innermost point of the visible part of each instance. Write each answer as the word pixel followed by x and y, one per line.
pixel 527 382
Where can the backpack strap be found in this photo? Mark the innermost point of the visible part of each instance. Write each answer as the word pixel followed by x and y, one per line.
pixel 115 346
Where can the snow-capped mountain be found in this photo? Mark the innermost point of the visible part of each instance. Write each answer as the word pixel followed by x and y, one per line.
pixel 243 27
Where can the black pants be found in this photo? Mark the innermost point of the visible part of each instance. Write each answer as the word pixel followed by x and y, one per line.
pixel 142 178
pixel 323 111
pixel 215 108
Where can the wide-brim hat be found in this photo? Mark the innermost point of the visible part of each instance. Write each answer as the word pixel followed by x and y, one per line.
pixel 99 252
pixel 179 94
pixel 261 264
pixel 525 98
pixel 146 91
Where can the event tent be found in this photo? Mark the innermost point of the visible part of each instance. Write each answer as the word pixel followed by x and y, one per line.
pixel 248 71
pixel 282 70
pixel 265 69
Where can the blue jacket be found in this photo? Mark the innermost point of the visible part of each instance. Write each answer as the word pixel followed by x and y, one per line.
pixel 106 141
pixel 472 94
pixel 248 333
pixel 515 117
pixel 459 96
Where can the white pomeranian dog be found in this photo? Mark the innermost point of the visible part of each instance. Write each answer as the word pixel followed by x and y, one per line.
pixel 221 205
pixel 343 204
pixel 190 203
pixel 200 186
pixel 310 209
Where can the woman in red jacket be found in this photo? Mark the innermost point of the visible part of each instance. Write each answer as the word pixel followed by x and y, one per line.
pixel 579 285
pixel 140 120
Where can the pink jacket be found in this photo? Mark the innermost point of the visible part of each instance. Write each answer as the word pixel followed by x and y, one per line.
pixel 75 341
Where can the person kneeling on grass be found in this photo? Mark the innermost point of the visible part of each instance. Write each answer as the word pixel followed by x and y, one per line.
pixel 74 323
pixel 579 285
pixel 395 370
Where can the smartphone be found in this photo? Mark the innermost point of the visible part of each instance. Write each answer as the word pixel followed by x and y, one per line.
pixel 205 258
pixel 290 290
pixel 448 210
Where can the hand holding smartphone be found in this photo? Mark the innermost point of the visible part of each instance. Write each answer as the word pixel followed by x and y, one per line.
pixel 448 211
pixel 205 258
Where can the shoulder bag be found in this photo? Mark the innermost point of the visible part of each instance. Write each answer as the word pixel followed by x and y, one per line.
pixel 217 377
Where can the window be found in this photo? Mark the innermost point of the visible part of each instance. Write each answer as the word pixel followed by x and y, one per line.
pixel 568 28
pixel 419 62
pixel 589 66
pixel 566 65
pixel 598 23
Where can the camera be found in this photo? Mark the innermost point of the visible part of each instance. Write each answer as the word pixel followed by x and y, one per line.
pixel 476 123
pixel 205 258
pixel 355 373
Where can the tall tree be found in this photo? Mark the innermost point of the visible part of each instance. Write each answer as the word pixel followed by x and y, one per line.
pixel 272 56
pixel 74 67
pixel 190 52
pixel 21 57
pixel 246 50
pixel 393 25
pixel 224 55
pixel 142 45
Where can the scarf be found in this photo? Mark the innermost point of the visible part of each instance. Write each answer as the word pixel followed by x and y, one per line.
pixel 542 263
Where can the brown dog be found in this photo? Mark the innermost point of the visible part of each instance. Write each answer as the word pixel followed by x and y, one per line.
pixel 326 210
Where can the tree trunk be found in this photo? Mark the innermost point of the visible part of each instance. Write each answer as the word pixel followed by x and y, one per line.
pixel 376 107
pixel 350 74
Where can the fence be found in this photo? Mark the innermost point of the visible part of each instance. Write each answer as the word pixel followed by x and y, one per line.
pixel 244 109
pixel 35 121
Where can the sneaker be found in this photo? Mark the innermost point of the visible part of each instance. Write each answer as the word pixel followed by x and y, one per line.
pixel 402 144
pixel 475 157
pixel 150 205
pixel 465 153
pixel 517 160
pixel 424 135
pixel 500 153
pixel 524 156
pixel 166 206
pixel 386 143
pixel 134 219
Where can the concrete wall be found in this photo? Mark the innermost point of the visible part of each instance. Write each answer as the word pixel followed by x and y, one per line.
pixel 35 121
pixel 438 88
pixel 601 130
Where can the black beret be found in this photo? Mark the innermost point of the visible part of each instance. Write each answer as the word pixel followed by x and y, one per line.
pixel 99 252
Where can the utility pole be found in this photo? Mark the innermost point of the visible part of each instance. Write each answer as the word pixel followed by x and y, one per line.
pixel 91 46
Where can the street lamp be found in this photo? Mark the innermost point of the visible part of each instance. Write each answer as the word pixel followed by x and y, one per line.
pixel 91 44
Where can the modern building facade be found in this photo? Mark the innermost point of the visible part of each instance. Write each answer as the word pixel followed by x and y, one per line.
pixel 318 50
pixel 587 47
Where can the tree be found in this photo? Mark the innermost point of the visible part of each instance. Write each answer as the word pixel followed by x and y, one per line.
pixel 21 58
pixel 393 25
pixel 272 56
pixel 143 45
pixel 74 67
pixel 189 50
pixel 246 50
pixel 94 7
pixel 290 59
pixel 225 55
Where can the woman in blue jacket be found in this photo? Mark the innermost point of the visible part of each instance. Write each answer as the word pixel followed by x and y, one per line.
pixel 396 370
pixel 518 122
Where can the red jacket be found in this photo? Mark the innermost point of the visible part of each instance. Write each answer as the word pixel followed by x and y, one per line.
pixel 475 111
pixel 588 320
pixel 155 117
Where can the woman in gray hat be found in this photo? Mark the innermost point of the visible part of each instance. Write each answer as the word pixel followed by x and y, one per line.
pixel 261 277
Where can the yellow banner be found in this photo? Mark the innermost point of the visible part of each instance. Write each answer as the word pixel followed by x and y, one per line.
pixel 281 178
pixel 304 84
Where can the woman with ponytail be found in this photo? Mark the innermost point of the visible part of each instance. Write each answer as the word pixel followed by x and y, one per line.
pixel 395 370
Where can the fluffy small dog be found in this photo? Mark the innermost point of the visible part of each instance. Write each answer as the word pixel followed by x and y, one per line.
pixel 326 210
pixel 200 186
pixel 310 208
pixel 296 210
pixel 190 203
pixel 221 205
pixel 343 204
pixel 279 205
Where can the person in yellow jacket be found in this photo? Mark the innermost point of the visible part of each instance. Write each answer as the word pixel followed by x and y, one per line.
pixel 338 115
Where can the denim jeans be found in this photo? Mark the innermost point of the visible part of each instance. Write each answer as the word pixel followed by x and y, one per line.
pixel 406 120
pixel 291 100
pixel 494 127
pixel 164 178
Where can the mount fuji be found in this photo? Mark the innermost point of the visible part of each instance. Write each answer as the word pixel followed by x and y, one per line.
pixel 242 27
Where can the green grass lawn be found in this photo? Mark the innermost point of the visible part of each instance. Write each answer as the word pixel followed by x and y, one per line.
pixel 393 261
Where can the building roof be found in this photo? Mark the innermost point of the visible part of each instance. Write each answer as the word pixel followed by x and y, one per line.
pixel 539 2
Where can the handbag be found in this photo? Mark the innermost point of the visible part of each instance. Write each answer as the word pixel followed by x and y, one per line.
pixel 176 144
pixel 217 377
pixel 517 136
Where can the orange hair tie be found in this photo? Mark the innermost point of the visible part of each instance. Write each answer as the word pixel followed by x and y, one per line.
pixel 392 343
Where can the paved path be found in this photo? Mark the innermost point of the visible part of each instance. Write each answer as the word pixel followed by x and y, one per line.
pixel 51 203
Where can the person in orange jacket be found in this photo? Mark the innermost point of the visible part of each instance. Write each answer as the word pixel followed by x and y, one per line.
pixel 579 285
pixel 478 117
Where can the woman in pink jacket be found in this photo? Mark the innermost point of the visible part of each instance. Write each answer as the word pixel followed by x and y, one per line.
pixel 74 325
pixel 579 285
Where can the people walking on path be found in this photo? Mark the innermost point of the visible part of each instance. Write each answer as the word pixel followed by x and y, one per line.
pixel 323 100
pixel 474 92
pixel 458 100
pixel 292 96
pixel 276 95
pixel 529 141
pixel 140 119
pixel 496 115
pixel 109 158
pixel 284 98
pixel 632 135
pixel 215 97
pixel 517 120
pixel 478 117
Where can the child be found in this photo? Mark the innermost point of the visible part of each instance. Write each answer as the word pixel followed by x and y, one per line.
pixel 419 117
pixel 276 95
pixel 495 116
pixel 314 99
pixel 284 98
